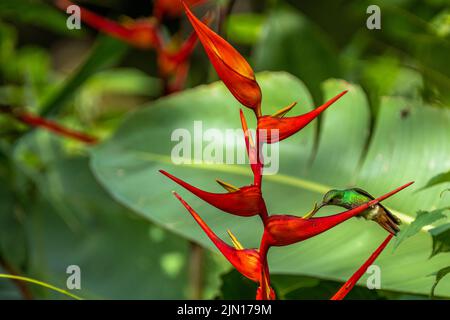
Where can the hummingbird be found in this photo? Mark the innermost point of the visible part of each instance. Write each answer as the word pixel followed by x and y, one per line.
pixel 354 197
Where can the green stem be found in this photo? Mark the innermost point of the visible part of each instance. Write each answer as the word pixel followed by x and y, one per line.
pixel 196 271
pixel 22 287
pixel 40 283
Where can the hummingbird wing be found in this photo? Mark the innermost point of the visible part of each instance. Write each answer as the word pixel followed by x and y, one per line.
pixel 388 221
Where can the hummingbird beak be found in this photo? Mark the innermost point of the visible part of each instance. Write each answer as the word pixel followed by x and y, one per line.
pixel 317 208
pixel 322 204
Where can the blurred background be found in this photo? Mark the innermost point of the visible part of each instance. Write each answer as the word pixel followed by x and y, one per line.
pixel 60 204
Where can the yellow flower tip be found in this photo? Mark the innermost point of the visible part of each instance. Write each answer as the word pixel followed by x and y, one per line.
pixel 247 133
pixel 311 213
pixel 282 112
pixel 227 186
pixel 235 241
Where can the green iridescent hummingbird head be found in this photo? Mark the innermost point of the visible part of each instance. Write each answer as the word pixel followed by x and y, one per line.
pixel 333 197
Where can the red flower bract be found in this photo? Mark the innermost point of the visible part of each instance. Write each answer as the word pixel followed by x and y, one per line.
pixel 231 67
pixel 252 152
pixel 140 33
pixel 274 128
pixel 245 201
pixel 348 286
pixel 172 56
pixel 246 261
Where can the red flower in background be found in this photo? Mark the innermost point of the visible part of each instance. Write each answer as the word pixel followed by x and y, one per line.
pixel 172 8
pixel 142 33
pixel 172 56
pixel 33 120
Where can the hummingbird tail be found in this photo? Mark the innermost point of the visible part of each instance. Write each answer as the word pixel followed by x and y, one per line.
pixel 388 223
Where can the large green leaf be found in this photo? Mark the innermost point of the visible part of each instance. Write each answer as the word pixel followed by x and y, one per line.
pixel 441 239
pixel 401 149
pixel 423 219
pixel 440 178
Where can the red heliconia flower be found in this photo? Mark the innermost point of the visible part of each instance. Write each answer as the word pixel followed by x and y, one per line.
pixel 143 33
pixel 172 8
pixel 231 67
pixel 276 127
pixel 246 261
pixel 348 286
pixel 283 230
pixel 245 201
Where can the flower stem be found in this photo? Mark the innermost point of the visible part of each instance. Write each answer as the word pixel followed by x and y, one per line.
pixel 52 126
pixel 21 286
pixel 40 283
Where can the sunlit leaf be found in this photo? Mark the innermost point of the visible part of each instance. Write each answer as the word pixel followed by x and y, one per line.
pixel 423 219
pixel 245 28
pixel 441 239
pixel 440 178
pixel 439 276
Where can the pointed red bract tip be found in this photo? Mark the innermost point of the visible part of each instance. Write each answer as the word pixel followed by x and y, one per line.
pixel 252 151
pixel 231 67
pixel 348 286
pixel 245 202
pixel 246 261
pixel 387 195
pixel 274 129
